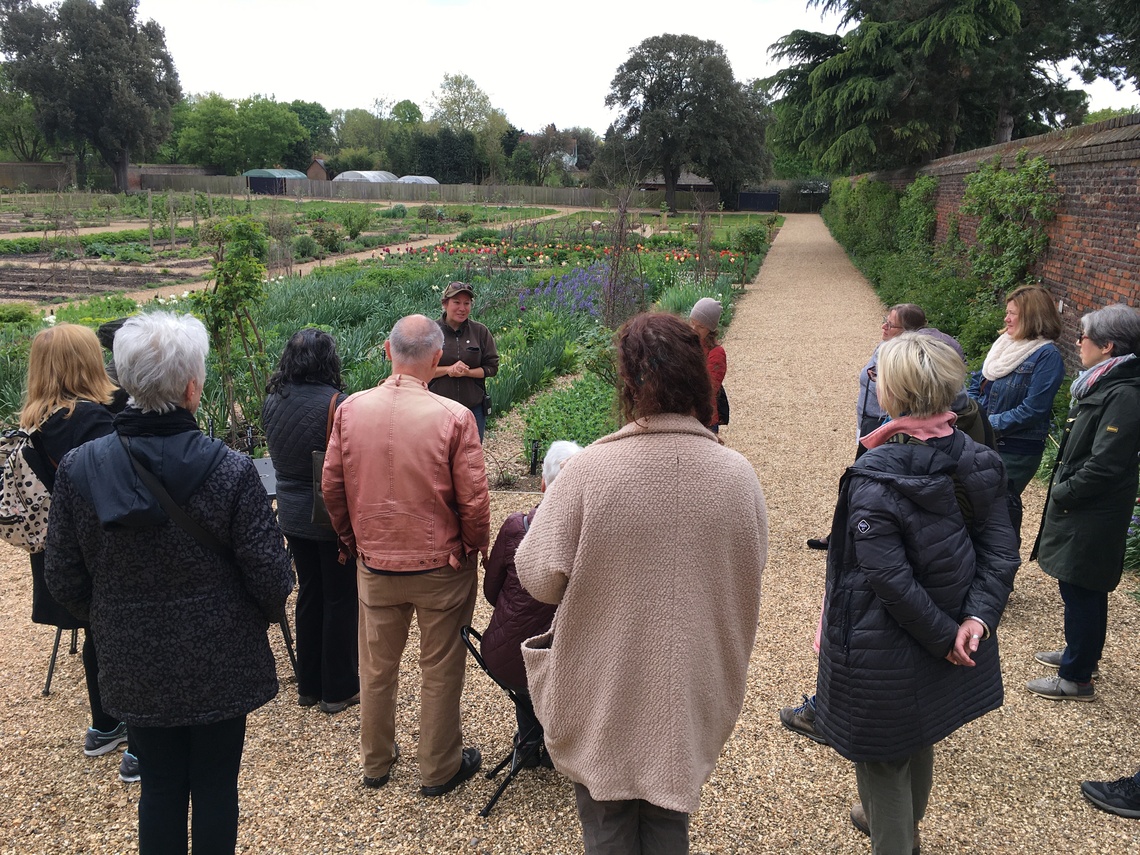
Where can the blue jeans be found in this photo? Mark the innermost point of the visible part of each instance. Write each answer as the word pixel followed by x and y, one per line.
pixel 1086 624
pixel 180 765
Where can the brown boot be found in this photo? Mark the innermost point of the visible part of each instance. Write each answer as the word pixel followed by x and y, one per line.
pixel 859 820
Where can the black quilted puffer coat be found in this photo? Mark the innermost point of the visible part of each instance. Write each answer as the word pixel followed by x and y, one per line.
pixel 182 631
pixel 295 419
pixel 904 569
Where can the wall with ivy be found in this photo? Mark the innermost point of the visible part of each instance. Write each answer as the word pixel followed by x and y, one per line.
pixel 1093 257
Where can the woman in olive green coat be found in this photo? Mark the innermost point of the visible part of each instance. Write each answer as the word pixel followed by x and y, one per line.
pixel 1092 496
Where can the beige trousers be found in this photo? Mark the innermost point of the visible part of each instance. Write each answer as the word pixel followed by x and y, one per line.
pixel 442 600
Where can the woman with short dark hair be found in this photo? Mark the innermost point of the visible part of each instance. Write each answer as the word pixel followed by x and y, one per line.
pixel 303 392
pixel 641 678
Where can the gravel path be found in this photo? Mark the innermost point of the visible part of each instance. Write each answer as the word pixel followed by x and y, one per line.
pixel 1005 784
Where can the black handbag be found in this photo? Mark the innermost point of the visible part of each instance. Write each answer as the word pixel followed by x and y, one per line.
pixel 722 407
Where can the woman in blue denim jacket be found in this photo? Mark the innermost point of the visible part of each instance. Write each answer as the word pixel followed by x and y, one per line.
pixel 1019 380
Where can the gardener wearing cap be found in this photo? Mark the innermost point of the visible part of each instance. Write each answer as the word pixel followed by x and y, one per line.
pixel 469 355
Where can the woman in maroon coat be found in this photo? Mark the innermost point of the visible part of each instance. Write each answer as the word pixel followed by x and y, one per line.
pixel 517 616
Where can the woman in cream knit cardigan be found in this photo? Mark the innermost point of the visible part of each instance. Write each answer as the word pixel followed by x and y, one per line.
pixel 652 542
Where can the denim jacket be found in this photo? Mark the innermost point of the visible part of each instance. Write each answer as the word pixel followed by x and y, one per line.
pixel 1020 405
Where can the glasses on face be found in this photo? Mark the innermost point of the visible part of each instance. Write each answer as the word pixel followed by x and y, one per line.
pixel 887 323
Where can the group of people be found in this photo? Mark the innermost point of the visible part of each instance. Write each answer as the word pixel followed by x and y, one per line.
pixel 922 554
pixel 925 543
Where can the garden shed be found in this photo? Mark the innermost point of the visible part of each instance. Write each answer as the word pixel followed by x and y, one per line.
pixel 270 182
pixel 376 176
pixel 418 179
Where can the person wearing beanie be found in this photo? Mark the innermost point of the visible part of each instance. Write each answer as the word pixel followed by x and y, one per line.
pixel 704 317
pixel 469 355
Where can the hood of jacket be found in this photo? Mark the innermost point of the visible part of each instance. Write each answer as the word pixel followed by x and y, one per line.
pixel 919 473
pixel 106 477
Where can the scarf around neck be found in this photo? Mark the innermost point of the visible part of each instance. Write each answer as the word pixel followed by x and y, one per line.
pixel 1090 376
pixel 930 427
pixel 1007 353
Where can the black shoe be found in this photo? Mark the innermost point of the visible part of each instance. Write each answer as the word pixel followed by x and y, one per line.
pixel 818 542
pixel 377 783
pixel 1121 797
pixel 340 706
pixel 307 700
pixel 468 766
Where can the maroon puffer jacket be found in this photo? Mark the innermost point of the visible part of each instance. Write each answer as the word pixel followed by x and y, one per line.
pixel 517 616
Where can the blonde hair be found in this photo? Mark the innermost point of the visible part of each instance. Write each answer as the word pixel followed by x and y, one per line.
pixel 65 366
pixel 1037 315
pixel 918 376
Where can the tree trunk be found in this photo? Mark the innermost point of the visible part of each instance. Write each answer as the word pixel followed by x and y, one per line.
pixel 120 167
pixel 671 173
pixel 1003 128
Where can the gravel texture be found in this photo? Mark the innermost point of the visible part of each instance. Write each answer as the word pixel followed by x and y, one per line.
pixel 1007 783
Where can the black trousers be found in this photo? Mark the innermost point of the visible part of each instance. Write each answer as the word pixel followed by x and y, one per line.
pixel 1086 624
pixel 327 607
pixel 181 766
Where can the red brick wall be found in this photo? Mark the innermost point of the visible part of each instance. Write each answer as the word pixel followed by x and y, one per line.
pixel 1093 258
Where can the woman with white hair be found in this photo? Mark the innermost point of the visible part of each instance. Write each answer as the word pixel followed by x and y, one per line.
pixel 181 616
pixel 921 564
pixel 518 616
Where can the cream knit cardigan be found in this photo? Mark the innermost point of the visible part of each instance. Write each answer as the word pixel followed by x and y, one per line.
pixel 652 541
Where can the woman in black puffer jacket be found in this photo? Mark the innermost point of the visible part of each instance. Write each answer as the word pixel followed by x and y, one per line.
pixel 296 422
pixel 921 563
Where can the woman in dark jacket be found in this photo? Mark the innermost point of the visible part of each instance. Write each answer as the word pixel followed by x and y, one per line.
pixel 1091 497
pixel 518 616
pixel 921 563
pixel 303 392
pixel 65 403
pixel 181 624
pixel 469 354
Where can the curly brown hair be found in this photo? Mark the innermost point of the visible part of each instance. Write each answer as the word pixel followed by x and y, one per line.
pixel 662 369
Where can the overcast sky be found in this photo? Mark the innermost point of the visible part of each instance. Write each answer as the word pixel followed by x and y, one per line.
pixel 539 62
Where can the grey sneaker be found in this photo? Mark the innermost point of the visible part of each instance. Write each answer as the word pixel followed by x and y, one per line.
pixel 129 768
pixel 859 820
pixel 1060 689
pixel 1052 659
pixel 801 720
pixel 1121 797
pixel 97 743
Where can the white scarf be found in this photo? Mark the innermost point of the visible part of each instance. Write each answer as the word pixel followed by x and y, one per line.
pixel 1007 353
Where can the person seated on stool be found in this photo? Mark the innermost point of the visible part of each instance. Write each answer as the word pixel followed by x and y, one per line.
pixel 518 616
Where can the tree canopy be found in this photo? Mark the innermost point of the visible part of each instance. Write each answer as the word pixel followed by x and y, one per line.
pixel 96 76
pixel 459 104
pixel 678 95
pixel 235 136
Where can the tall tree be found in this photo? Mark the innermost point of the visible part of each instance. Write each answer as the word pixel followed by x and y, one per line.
pixel 460 104
pixel 407 112
pixel 210 135
pixel 315 119
pixel 18 131
pixel 736 154
pixel 94 73
pixel 547 149
pixel 670 91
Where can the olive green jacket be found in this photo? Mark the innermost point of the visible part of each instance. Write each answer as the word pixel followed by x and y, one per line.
pixel 1092 495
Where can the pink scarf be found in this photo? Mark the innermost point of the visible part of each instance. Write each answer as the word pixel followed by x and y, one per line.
pixel 924 429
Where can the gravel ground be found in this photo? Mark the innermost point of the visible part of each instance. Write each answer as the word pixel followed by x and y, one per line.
pixel 1005 784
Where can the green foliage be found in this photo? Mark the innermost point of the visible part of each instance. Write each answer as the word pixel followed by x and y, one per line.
pixel 96 310
pixel 304 247
pixel 583 412
pixel 17 313
pixel 917 218
pixel 396 212
pixel 597 353
pixel 477 234
pixel 862 216
pixel 354 218
pixel 329 235
pixel 1013 208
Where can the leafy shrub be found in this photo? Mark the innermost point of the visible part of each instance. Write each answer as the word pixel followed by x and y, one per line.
pixel 464 217
pixel 97 310
pixel 582 412
pixel 17 313
pixel 396 212
pixel 478 234
pixel 428 212
pixel 304 246
pixel 355 219
pixel 917 218
pixel 329 235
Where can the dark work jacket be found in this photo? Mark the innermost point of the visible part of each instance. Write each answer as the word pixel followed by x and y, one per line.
pixel 1092 494
pixel 517 616
pixel 59 434
pixel 295 419
pixel 903 571
pixel 181 630
pixel 471 343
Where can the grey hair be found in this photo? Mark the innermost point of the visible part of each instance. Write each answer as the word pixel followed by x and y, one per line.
pixel 157 354
pixel 415 338
pixel 1119 324
pixel 559 452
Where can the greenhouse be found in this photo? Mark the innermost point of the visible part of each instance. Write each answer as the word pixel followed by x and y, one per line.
pixel 418 179
pixel 376 176
pixel 270 182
